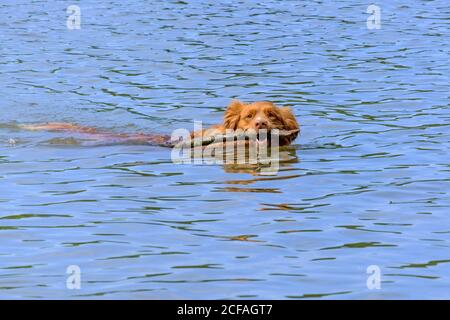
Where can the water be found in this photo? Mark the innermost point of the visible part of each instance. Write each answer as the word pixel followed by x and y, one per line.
pixel 366 185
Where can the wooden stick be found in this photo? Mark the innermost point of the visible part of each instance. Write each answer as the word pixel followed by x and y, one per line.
pixel 236 136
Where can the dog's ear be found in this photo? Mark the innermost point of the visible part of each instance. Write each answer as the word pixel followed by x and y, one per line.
pixel 290 123
pixel 232 114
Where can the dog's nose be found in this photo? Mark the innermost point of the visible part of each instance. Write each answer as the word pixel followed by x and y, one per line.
pixel 261 124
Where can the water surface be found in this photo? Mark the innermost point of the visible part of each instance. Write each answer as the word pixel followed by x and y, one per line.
pixel 366 185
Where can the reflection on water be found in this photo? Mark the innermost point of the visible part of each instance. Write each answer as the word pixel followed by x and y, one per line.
pixel 366 183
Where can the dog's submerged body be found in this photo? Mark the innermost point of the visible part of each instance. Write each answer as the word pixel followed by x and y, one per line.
pixel 262 115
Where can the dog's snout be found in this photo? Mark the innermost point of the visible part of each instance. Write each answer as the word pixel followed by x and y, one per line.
pixel 260 123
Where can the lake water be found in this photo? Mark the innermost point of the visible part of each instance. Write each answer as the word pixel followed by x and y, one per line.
pixel 367 184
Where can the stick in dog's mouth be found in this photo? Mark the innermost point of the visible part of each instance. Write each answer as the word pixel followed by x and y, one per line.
pixel 266 136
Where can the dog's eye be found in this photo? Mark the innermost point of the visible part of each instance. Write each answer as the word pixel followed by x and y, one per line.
pixel 272 115
pixel 249 116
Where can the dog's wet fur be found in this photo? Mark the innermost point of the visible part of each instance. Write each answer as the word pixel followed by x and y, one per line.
pixel 256 116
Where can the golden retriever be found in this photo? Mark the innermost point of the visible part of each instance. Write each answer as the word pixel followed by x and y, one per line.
pixel 261 115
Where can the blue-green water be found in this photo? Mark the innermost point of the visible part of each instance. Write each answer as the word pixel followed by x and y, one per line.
pixel 367 185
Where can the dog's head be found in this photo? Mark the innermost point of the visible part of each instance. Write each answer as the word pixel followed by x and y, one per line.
pixel 262 115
